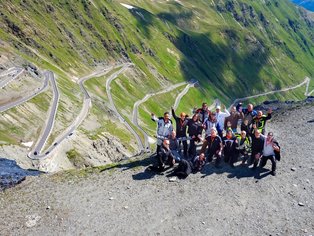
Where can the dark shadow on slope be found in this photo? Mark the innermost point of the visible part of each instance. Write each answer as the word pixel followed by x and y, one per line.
pixel 144 19
pixel 11 174
pixel 210 61
pixel 146 162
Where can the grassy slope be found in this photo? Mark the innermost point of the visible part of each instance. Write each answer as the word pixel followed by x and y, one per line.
pixel 232 48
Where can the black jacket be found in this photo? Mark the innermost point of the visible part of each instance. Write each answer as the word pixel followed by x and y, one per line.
pixel 214 145
pixel 180 126
pixel 194 128
pixel 257 144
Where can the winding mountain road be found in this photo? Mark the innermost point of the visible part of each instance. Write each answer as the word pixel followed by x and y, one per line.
pixel 182 93
pixel 10 72
pixel 36 153
pixel 306 81
pixel 114 108
pixel 146 97
pixel 79 119
pixel 27 98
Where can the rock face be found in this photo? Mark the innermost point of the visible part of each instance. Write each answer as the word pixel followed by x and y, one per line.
pixel 110 148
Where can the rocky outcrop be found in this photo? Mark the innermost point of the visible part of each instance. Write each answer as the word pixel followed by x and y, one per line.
pixel 110 148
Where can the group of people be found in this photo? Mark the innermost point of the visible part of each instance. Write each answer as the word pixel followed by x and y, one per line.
pixel 229 136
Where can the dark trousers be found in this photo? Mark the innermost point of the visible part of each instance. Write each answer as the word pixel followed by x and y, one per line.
pixel 210 158
pixel 185 147
pixel 158 149
pixel 164 159
pixel 244 155
pixel 264 160
pixel 230 158
pixel 254 160
pixel 192 149
pixel 184 169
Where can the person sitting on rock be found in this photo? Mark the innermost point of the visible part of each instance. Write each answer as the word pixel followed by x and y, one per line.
pixel 245 126
pixel 165 156
pixel 174 146
pixel 259 121
pixel 164 128
pixel 271 151
pixel 229 148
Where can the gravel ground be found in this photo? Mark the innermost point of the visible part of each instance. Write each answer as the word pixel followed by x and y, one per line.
pixel 128 200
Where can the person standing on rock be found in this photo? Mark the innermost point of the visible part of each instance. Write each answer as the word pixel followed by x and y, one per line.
pixel 257 147
pixel 259 122
pixel 249 113
pixel 221 116
pixel 233 119
pixel 195 128
pixel 203 112
pixel 246 127
pixel 271 152
pixel 164 128
pixel 208 125
pixel 181 125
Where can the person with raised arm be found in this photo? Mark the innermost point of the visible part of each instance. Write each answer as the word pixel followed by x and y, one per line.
pixel 181 125
pixel 195 128
pixel 260 120
pixel 164 128
pixel 271 151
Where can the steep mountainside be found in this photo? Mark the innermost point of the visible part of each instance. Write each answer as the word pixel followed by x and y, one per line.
pixel 232 48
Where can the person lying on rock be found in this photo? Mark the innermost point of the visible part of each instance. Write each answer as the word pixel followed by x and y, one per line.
pixel 186 167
